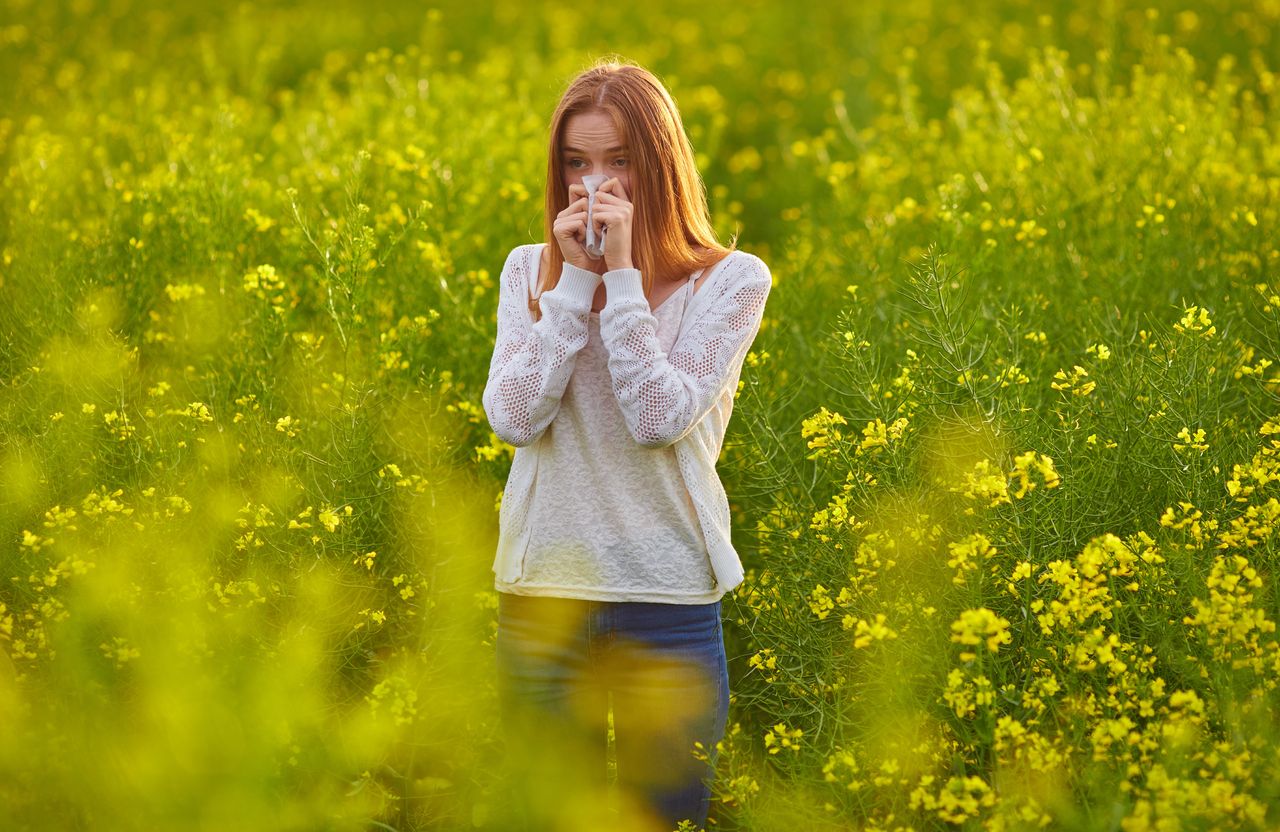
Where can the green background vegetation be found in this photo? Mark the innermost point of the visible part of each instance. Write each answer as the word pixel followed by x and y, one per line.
pixel 1001 465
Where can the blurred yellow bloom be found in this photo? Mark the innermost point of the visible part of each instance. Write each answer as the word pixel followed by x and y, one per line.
pixel 330 518
pixel 985 482
pixel 866 631
pixel 1022 466
pixel 260 223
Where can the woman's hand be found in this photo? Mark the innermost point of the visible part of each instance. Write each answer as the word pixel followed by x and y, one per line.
pixel 613 210
pixel 570 230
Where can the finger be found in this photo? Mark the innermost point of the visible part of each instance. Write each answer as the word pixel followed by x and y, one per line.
pixel 615 188
pixel 572 223
pixel 574 207
pixel 608 214
pixel 607 197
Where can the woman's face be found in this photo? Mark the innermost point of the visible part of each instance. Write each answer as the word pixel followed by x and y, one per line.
pixel 591 145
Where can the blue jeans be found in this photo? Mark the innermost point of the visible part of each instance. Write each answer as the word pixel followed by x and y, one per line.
pixel 560 660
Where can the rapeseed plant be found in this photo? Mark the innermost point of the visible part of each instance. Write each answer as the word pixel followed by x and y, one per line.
pixel 245 472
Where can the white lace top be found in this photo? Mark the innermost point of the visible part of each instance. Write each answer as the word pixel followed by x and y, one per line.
pixel 612 520
pixel 618 418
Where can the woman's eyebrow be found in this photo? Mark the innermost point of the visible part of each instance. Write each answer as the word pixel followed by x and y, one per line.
pixel 580 150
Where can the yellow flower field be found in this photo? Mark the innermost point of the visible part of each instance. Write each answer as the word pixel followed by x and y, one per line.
pixel 1004 465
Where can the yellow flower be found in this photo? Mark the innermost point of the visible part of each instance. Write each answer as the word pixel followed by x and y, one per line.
pixel 878 434
pixel 260 222
pixel 820 602
pixel 262 279
pixel 985 482
pixel 330 518
pixel 779 738
pixel 976 626
pixel 1196 319
pixel 822 427
pixel 965 554
pixel 1070 383
pixel 865 632
pixel 1194 442
pixel 183 291
pixel 1234 628
pixel 766 662
pixel 1023 463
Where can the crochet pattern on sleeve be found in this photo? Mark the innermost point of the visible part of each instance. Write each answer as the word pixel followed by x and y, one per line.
pixel 531 362
pixel 664 396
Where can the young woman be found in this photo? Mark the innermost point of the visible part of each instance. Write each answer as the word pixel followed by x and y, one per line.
pixel 615 377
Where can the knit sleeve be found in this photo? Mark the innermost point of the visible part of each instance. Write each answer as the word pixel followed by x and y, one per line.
pixel 663 396
pixel 532 362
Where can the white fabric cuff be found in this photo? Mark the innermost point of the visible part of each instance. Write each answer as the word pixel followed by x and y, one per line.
pixel 624 284
pixel 577 285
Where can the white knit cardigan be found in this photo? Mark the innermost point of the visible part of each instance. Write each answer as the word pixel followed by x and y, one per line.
pixel 684 398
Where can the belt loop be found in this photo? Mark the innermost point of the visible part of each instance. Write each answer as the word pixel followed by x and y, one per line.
pixel 607 613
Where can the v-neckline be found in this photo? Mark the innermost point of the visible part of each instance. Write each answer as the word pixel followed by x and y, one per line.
pixel 655 312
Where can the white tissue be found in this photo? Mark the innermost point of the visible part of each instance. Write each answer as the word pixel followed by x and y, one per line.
pixel 594 247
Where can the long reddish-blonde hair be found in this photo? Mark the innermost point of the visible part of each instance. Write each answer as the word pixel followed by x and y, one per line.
pixel 671 232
